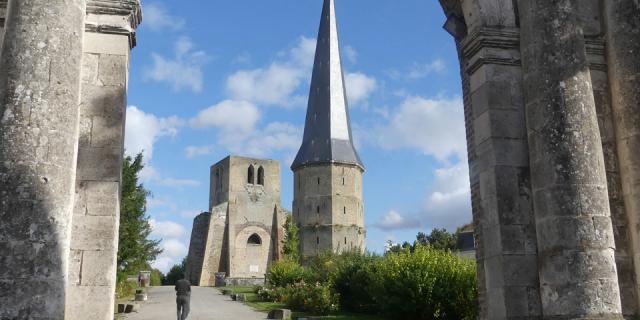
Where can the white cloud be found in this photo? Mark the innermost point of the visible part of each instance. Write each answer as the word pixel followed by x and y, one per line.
pixel 435 127
pixel 157 18
pixel 175 248
pixel 166 229
pixel 448 205
pixel 351 54
pixel 194 151
pixel 304 52
pixel 144 129
pixel 419 70
pixel 277 83
pixel 359 87
pixel 174 251
pixel 183 71
pixel 238 117
pixel 150 174
pixel 393 220
pixel 275 137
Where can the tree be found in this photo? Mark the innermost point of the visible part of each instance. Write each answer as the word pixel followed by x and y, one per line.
pixel 439 239
pixel 291 239
pixel 135 250
pixel 176 273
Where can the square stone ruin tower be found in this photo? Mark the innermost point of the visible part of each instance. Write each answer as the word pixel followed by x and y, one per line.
pixel 327 205
pixel 243 232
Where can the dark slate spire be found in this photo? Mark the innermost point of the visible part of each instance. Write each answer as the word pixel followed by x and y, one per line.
pixel 327 132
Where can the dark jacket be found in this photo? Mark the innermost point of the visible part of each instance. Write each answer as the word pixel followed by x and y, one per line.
pixel 183 288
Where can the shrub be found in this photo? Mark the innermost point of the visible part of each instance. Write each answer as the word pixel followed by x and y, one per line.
pixel 318 298
pixel 425 284
pixel 350 278
pixel 284 273
pixel 124 288
pixel 156 277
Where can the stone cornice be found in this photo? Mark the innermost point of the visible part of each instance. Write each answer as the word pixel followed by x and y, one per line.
pixel 114 17
pixel 491 38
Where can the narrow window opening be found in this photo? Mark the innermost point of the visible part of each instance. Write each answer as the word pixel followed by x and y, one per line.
pixel 317 240
pixel 261 176
pixel 250 175
pixel 318 180
pixel 255 240
pixel 345 210
pixel 345 240
pixel 343 181
pixel 318 209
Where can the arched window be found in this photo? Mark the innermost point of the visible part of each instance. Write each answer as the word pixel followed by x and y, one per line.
pixel 250 175
pixel 261 176
pixel 254 240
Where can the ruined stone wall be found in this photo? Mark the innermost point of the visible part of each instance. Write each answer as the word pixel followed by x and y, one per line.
pixel 251 211
pixel 197 248
pixel 243 206
pixel 328 208
pixel 493 38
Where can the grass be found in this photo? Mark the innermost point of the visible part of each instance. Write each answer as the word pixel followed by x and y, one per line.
pixel 266 306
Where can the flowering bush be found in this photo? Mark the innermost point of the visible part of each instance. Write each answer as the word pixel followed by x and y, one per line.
pixel 317 298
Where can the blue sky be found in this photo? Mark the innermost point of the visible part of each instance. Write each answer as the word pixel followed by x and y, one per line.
pixel 211 78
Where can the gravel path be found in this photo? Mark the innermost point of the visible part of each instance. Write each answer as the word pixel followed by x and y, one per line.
pixel 206 304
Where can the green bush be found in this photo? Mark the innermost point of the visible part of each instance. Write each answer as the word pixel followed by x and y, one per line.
pixel 318 298
pixel 352 272
pixel 124 288
pixel 156 277
pixel 425 284
pixel 284 273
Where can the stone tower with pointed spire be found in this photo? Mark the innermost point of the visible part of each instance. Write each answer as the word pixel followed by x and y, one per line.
pixel 327 205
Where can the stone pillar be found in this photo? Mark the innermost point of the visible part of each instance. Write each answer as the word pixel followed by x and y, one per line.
pixel 487 35
pixel 39 102
pixel 623 46
pixel 576 257
pixel 108 39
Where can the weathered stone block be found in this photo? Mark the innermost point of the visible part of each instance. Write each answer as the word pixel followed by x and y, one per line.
pixel 99 164
pixel 93 310
pixel 97 198
pixel 98 268
pixel 102 43
pixel 90 68
pixel 113 70
pixel 93 232
pixel 107 132
pixel 108 102
pixel 284 314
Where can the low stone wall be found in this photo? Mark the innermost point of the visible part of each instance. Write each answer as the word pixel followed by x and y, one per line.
pixel 244 282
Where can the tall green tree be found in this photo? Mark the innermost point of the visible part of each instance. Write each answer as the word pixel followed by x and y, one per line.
pixel 135 250
pixel 176 273
pixel 291 240
pixel 440 239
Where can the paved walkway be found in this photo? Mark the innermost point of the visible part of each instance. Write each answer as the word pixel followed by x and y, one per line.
pixel 206 304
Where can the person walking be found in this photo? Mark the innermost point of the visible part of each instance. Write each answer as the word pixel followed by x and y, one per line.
pixel 183 298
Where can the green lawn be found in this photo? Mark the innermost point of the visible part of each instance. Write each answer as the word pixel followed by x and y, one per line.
pixel 253 301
